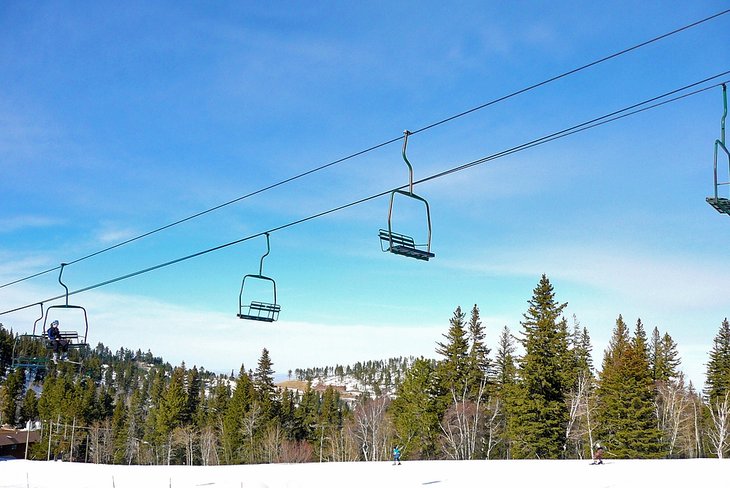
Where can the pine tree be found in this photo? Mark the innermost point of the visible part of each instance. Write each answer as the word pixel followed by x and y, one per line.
pixel 263 377
pixel 663 357
pixel 238 407
pixel 541 412
pixel 718 367
pixel 478 350
pixel 718 392
pixel 626 414
pixel 505 368
pixel 415 411
pixel 171 408
pixel 11 392
pixel 120 434
pixel 454 369
pixel 29 409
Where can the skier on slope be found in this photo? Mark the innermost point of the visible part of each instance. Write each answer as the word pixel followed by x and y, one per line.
pixel 396 455
pixel 598 455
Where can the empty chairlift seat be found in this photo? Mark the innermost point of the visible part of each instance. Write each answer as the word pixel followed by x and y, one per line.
pixel 255 309
pixel 402 244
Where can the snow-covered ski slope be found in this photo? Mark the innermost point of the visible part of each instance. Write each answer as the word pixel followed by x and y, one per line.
pixel 692 473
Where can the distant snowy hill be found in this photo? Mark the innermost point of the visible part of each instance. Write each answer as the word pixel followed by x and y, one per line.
pixel 376 378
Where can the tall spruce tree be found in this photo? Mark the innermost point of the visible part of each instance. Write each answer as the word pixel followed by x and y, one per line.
pixel 626 414
pixel 718 367
pixel 415 411
pixel 454 369
pixel 505 368
pixel 481 365
pixel 718 392
pixel 244 395
pixel 663 357
pixel 541 412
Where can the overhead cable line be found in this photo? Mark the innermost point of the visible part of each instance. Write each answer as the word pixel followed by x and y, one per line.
pixel 598 121
pixel 378 146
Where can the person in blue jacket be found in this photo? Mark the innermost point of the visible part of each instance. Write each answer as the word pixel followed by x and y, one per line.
pixel 396 455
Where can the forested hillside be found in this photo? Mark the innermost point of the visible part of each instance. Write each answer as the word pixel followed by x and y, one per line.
pixel 534 394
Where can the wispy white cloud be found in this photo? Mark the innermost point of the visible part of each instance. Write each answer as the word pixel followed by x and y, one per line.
pixel 655 279
pixel 112 234
pixel 21 222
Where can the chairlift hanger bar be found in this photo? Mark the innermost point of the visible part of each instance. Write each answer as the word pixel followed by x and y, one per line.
pixel 719 203
pixel 590 124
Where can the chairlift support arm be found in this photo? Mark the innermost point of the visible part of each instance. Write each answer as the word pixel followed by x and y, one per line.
pixel 721 204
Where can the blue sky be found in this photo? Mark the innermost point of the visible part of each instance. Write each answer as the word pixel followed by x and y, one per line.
pixel 116 119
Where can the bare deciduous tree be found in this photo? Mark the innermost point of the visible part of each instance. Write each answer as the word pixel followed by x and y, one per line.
pixel 372 428
pixel 672 404
pixel 208 440
pixel 461 426
pixel 719 431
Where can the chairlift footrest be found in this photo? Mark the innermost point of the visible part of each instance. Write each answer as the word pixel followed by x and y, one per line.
pixel 722 205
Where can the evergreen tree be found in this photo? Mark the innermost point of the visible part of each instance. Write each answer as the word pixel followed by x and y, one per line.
pixel 263 378
pixel 663 357
pixel 11 392
pixel 540 411
pixel 193 396
pixel 29 409
pixel 505 368
pixel 172 405
pixel 718 367
pixel 454 370
pixel 234 430
pixel 626 413
pixel 120 434
pixel 717 391
pixel 415 411
pixel 478 350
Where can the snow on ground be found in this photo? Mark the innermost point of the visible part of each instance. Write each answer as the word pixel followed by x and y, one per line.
pixel 692 473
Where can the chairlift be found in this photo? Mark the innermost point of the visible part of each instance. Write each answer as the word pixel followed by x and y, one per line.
pixel 29 350
pixel 399 243
pixel 721 204
pixel 258 310
pixel 74 338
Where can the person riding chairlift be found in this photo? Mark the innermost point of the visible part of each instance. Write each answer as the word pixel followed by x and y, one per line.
pixel 58 343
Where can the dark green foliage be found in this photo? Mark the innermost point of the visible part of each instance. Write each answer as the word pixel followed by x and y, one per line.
pixel 263 380
pixel 455 369
pixel 172 407
pixel 10 394
pixel 416 413
pixel 481 365
pixel 663 357
pixel 540 410
pixel 718 366
pixel 626 413
pixel 505 368
pixel 6 349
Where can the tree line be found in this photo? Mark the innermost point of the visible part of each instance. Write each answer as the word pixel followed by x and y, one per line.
pixel 536 394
